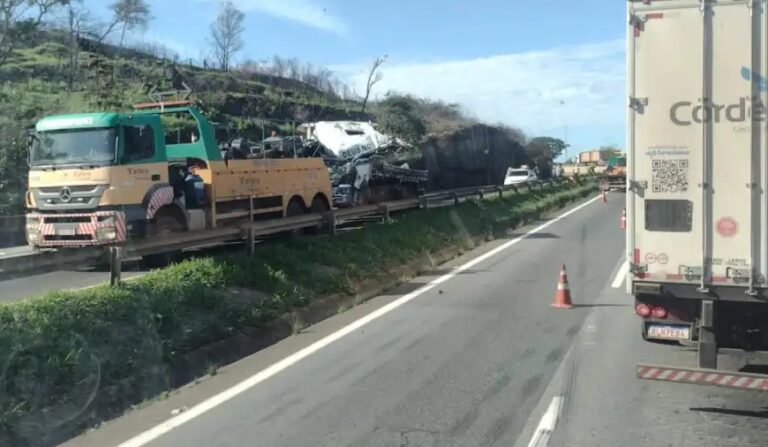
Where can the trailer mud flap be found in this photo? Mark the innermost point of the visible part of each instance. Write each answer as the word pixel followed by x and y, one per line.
pixel 698 376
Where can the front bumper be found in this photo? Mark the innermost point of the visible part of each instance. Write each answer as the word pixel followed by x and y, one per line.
pixel 75 230
pixel 343 196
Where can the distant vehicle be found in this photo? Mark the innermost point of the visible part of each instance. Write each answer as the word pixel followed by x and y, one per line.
pixel 615 174
pixel 520 175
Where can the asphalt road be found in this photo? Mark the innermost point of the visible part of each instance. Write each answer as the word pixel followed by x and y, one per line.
pixel 68 278
pixel 474 361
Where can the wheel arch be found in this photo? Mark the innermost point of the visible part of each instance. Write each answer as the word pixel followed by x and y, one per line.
pixel 172 210
pixel 297 198
pixel 321 196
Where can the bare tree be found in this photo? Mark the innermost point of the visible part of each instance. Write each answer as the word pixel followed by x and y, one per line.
pixel 374 76
pixel 20 18
pixel 279 66
pixel 294 68
pixel 128 14
pixel 226 34
pixel 346 92
pixel 78 23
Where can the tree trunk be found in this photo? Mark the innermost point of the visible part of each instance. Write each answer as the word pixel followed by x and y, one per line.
pixel 365 101
pixel 122 35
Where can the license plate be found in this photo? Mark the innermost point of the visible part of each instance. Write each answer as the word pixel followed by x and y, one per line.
pixel 66 232
pixel 668 332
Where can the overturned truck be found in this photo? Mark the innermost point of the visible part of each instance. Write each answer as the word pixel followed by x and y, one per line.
pixel 365 165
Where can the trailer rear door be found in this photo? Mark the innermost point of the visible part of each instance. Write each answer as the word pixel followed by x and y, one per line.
pixel 697 141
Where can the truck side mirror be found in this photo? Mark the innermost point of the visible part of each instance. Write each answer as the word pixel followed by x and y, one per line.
pixel 31 140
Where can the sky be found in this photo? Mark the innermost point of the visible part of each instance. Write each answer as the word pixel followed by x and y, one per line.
pixel 548 67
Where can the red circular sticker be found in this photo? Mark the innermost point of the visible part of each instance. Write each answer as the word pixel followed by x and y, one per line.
pixel 727 226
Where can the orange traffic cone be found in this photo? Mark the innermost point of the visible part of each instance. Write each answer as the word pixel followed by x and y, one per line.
pixel 603 196
pixel 563 294
pixel 623 221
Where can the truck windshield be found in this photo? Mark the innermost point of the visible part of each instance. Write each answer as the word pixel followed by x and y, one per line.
pixel 73 147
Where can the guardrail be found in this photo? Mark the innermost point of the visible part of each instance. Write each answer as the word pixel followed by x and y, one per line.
pixel 12 230
pixel 42 260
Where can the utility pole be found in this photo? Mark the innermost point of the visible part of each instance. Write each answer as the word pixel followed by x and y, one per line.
pixel 565 130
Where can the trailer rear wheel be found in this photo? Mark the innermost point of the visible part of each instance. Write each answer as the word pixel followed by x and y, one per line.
pixel 319 206
pixel 295 209
pixel 164 223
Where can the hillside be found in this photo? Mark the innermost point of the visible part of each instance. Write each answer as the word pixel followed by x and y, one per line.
pixel 44 77
pixel 50 74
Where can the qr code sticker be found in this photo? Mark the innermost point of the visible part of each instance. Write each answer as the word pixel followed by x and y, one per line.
pixel 670 176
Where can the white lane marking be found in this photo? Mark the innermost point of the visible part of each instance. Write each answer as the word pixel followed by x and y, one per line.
pixel 621 275
pixel 547 424
pixel 218 399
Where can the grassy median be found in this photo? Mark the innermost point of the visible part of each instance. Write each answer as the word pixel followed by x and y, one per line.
pixel 72 359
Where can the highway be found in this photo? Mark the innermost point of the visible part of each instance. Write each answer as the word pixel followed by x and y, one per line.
pixel 468 355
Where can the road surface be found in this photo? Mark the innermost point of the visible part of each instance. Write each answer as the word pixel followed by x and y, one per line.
pixel 474 358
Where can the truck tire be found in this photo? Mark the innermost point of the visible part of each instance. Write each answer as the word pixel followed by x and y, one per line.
pixel 164 223
pixel 295 208
pixel 319 206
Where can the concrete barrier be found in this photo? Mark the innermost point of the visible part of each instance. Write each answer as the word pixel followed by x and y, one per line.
pixel 12 231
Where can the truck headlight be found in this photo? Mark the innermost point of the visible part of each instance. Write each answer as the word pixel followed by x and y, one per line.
pixel 106 234
pixel 32 224
pixel 107 219
pixel 33 235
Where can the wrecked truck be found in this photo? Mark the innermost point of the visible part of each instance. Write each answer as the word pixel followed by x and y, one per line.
pixel 365 165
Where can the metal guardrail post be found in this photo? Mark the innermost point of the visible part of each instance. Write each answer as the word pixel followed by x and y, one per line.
pixel 250 242
pixel 332 223
pixel 500 190
pixel 455 199
pixel 424 202
pixel 115 265
pixel 385 211
pixel 481 194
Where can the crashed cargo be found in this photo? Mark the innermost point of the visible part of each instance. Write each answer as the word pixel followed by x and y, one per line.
pixel 365 165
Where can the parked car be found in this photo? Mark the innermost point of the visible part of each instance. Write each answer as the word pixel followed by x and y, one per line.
pixel 516 176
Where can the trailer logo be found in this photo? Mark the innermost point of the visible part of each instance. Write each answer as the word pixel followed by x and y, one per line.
pixel 65 195
pixel 748 108
pixel 727 226
pixel 685 113
pixel 749 75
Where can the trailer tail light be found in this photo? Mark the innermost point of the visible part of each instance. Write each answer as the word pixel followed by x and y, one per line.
pixel 643 310
pixel 659 312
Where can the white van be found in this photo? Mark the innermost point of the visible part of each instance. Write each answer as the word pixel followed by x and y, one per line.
pixel 517 176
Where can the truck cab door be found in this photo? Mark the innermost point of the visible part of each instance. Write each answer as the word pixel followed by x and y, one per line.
pixel 144 166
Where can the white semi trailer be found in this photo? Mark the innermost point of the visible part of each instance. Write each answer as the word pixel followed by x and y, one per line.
pixel 697 201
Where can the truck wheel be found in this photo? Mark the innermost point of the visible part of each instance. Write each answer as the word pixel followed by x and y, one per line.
pixel 295 208
pixel 319 206
pixel 164 223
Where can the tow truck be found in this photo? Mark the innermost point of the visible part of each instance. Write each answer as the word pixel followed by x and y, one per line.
pixel 100 179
